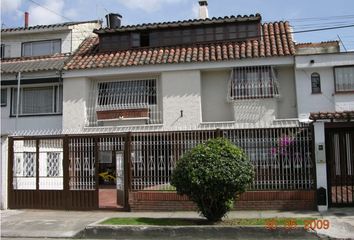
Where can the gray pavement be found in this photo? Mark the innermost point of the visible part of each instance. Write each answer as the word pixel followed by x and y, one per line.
pixel 66 224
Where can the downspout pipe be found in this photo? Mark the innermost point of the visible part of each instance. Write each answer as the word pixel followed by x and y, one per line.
pixel 18 98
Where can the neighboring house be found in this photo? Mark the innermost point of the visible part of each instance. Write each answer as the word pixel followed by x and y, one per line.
pixel 32 59
pixel 325 94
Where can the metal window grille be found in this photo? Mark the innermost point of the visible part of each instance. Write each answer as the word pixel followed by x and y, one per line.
pixel 315 83
pixel 24 167
pixel 51 164
pixel 344 78
pixel 126 94
pixel 82 164
pixel 253 82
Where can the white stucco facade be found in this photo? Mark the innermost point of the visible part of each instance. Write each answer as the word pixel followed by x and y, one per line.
pixel 328 100
pixel 70 37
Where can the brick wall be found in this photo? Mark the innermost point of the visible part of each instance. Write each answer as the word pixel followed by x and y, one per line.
pixel 260 200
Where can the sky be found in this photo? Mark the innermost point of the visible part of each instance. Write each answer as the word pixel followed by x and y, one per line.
pixel 302 14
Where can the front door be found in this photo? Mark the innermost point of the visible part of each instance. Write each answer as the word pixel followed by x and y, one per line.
pixel 340 166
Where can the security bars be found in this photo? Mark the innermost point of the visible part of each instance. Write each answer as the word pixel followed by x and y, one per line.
pixel 281 156
pixel 124 100
pixel 252 83
pixel 133 94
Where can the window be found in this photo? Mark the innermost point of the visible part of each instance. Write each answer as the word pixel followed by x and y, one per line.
pixel 315 83
pixel 3 97
pixel 53 164
pixel 126 94
pixel 39 48
pixel 2 51
pixel 253 82
pixel 37 100
pixel 344 79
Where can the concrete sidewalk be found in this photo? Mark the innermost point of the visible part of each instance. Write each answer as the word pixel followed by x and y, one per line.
pixel 66 224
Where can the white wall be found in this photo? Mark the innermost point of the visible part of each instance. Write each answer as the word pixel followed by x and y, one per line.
pixel 3 172
pixel 308 102
pixel 181 90
pixel 76 93
pixel 215 107
pixel 286 104
pixel 321 167
pixel 328 100
pixel 82 31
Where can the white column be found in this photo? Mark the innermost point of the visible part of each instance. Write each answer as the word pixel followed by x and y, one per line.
pixel 320 157
pixel 3 172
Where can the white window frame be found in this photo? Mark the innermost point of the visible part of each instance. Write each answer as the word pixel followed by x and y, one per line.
pixel 57 100
pixel 42 41
pixel 4 91
pixel 350 82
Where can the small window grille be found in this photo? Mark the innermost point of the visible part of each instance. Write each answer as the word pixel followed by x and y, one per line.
pixel 315 83
pixel 253 83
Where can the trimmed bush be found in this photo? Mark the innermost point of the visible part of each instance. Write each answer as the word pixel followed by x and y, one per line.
pixel 212 175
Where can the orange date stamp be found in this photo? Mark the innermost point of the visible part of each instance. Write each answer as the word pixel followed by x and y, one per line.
pixel 291 224
pixel 316 224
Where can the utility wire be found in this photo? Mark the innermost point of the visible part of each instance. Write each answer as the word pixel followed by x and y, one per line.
pixel 50 10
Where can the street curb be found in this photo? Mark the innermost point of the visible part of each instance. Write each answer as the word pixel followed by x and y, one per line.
pixel 192 232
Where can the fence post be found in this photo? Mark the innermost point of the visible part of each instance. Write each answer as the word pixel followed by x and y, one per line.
pixel 10 172
pixel 37 203
pixel 127 170
pixel 218 133
pixel 66 179
pixel 96 172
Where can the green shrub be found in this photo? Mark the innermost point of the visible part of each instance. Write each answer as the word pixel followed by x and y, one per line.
pixel 211 175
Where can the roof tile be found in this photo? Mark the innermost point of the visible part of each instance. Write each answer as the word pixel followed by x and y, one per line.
pixel 276 40
pixel 346 115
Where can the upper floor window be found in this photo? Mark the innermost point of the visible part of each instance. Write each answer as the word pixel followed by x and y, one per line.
pixel 127 100
pixel 39 48
pixel 344 79
pixel 253 82
pixel 3 97
pixel 126 94
pixel 37 100
pixel 4 51
pixel 315 83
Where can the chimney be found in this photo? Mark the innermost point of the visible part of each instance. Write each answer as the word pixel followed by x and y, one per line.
pixel 203 9
pixel 113 20
pixel 26 19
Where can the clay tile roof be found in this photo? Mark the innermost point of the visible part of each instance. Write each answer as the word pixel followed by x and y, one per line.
pixel 184 23
pixel 318 44
pixel 346 115
pixel 276 40
pixel 32 64
pixel 46 27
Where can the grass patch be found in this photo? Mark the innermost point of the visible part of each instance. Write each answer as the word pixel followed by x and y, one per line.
pixel 190 222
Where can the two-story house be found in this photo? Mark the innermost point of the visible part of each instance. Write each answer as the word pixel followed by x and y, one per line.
pixel 137 97
pixel 325 94
pixel 32 58
pixel 140 96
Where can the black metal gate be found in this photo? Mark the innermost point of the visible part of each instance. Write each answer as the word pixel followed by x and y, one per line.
pixel 340 166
